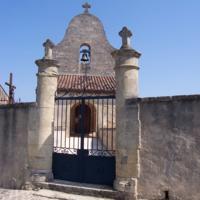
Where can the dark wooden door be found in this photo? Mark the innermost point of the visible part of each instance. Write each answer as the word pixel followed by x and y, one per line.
pixel 83 119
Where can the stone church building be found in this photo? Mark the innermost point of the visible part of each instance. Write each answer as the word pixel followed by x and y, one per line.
pixel 89 125
pixel 84 118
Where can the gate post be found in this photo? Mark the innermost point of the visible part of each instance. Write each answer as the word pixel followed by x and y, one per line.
pixel 127 120
pixel 42 149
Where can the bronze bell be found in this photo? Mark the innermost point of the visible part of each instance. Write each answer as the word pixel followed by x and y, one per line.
pixel 84 58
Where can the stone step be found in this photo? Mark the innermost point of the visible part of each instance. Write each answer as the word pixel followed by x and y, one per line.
pixel 81 189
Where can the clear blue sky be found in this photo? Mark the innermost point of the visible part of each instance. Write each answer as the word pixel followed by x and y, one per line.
pixel 166 32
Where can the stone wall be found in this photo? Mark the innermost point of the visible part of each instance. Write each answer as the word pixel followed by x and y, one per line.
pixel 168 132
pixel 170 147
pixel 16 124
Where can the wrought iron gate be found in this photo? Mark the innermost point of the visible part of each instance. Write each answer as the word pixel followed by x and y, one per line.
pixel 84 139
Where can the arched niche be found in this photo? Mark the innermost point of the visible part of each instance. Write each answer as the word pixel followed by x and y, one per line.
pixel 82 119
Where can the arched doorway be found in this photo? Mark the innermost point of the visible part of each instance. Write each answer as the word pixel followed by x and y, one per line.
pixel 82 119
pixel 82 124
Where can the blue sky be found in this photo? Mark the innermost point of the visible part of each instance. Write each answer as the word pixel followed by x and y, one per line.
pixel 166 32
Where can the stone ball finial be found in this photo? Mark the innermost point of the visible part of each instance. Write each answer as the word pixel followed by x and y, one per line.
pixel 125 34
pixel 48 46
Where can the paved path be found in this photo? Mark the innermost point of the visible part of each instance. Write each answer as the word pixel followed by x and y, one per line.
pixel 42 194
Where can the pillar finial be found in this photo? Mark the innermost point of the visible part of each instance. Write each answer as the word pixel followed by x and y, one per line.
pixel 86 6
pixel 125 34
pixel 48 46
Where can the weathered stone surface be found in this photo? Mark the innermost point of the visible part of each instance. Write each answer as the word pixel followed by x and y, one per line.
pixel 43 195
pixel 85 29
pixel 16 123
pixel 170 150
pixel 127 126
pixel 82 189
pixel 41 145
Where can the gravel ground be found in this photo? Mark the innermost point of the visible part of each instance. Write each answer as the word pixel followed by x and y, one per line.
pixel 6 194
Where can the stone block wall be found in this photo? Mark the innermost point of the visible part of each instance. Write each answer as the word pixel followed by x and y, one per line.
pixel 170 148
pixel 16 124
pixel 168 130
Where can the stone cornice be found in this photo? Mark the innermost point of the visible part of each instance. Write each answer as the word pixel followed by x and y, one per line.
pixel 47 74
pixel 127 66
pixel 126 52
pixel 47 67
pixel 46 63
pixel 163 99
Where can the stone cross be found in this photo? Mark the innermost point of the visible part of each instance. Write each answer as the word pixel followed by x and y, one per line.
pixel 86 6
pixel 11 89
pixel 48 46
pixel 125 35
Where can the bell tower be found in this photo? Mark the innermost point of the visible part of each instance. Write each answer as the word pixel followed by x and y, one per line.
pixel 85 47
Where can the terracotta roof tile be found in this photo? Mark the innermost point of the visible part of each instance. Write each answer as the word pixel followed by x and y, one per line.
pixel 3 96
pixel 89 84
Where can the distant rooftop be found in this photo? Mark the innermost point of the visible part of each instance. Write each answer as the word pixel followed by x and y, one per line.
pixel 3 96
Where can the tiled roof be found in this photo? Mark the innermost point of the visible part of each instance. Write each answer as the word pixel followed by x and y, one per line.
pixel 88 84
pixel 3 96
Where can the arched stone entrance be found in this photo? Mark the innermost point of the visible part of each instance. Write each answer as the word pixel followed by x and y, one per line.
pixel 86 125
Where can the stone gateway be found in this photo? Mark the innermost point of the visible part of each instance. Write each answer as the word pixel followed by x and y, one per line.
pixel 89 124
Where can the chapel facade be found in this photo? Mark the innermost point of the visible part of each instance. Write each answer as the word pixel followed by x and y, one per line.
pixel 84 121
pixel 85 51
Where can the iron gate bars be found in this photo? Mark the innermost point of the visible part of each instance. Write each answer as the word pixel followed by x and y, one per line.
pixel 85 125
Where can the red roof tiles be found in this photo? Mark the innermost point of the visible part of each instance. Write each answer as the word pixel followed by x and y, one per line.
pixel 89 84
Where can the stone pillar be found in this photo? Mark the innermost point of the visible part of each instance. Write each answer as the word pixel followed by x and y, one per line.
pixel 42 150
pixel 127 120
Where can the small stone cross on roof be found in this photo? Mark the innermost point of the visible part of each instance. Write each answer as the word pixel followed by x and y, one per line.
pixel 86 6
pixel 125 35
